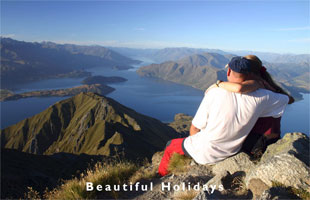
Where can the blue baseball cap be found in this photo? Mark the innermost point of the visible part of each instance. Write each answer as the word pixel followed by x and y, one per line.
pixel 240 65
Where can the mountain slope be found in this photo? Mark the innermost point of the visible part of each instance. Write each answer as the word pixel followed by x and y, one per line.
pixel 179 53
pixel 88 123
pixel 291 74
pixel 199 70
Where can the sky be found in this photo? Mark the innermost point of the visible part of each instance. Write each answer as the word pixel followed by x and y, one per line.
pixel 266 25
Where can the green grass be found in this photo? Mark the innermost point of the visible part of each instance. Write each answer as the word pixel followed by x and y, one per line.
pixel 103 174
pixel 146 172
pixel 114 173
pixel 179 164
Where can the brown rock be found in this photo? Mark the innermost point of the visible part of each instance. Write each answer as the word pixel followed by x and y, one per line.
pixel 257 187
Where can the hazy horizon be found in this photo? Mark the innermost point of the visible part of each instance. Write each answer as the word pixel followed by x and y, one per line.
pixel 150 48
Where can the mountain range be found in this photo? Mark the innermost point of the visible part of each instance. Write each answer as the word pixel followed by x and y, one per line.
pixel 162 55
pixel 276 57
pixel 23 62
pixel 174 54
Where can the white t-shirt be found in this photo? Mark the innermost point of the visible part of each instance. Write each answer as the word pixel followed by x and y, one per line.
pixel 226 118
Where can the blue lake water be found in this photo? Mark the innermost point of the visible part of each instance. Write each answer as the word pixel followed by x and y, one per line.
pixel 296 117
pixel 50 84
pixel 153 97
pixel 15 111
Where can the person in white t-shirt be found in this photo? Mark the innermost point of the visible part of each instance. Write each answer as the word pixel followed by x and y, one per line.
pixel 224 119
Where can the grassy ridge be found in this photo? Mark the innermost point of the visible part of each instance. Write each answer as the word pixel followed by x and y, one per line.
pixel 88 123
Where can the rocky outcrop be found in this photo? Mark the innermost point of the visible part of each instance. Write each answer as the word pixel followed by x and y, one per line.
pixel 296 144
pixel 285 169
pixel 286 162
pixel 238 163
pixel 282 172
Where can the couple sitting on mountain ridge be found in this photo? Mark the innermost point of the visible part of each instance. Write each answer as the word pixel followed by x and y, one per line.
pixel 243 113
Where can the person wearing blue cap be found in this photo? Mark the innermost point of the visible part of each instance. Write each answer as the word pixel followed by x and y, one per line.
pixel 224 119
pixel 240 65
pixel 267 129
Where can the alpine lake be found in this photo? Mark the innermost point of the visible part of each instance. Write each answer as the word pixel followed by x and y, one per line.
pixel 150 96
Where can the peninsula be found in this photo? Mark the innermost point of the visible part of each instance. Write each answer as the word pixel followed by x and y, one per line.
pixel 95 88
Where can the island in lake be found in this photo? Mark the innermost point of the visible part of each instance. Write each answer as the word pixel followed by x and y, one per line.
pixel 95 88
pixel 103 80
pixel 95 84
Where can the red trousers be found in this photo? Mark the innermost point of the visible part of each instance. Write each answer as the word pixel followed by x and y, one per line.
pixel 175 146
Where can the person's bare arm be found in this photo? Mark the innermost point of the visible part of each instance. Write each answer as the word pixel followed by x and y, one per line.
pixel 243 87
pixel 193 130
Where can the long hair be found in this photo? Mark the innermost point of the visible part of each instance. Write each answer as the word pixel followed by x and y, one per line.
pixel 260 70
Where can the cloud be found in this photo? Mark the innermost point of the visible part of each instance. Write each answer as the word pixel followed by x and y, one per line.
pixel 8 35
pixel 139 29
pixel 294 29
